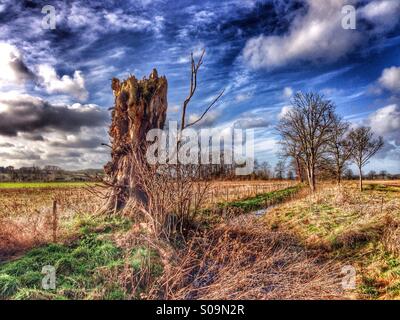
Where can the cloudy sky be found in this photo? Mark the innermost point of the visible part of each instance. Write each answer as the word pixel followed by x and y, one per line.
pixel 55 84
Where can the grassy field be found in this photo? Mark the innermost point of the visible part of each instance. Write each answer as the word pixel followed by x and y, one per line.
pixel 352 228
pixel 294 251
pixel 23 185
pixel 95 257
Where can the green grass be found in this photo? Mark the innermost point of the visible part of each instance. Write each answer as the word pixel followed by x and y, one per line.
pixel 381 187
pixel 88 268
pixel 21 185
pixel 349 229
pixel 260 201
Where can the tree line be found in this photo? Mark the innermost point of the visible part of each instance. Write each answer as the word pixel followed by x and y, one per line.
pixel 315 137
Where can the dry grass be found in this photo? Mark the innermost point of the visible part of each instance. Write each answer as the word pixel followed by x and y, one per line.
pixel 241 260
pixel 26 216
pixel 361 229
pixel 26 213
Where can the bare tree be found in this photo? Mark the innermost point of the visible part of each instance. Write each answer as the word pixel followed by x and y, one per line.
pixel 339 147
pixel 364 148
pixel 195 66
pixel 280 170
pixel 349 175
pixel 372 175
pixel 265 170
pixel 308 125
pixel 291 149
pixel 290 175
pixel 383 174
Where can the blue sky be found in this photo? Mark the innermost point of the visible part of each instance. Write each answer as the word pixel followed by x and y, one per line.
pixel 55 84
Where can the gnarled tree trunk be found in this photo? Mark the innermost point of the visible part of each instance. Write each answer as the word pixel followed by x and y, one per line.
pixel 140 105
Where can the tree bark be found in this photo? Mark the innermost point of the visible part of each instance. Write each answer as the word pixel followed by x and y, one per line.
pixel 299 170
pixel 140 105
pixel 311 179
pixel 338 176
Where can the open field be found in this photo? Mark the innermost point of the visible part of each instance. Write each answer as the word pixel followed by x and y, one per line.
pixel 352 228
pixel 24 185
pixel 294 251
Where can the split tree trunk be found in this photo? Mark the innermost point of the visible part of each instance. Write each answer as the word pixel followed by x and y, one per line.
pixel 140 105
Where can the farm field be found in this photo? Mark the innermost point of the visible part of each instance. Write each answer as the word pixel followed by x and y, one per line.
pixel 361 230
pixel 315 235
pixel 23 185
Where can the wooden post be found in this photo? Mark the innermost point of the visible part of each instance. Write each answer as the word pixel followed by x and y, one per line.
pixel 55 221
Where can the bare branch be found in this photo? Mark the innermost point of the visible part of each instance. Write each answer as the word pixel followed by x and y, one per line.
pixel 193 84
pixel 206 110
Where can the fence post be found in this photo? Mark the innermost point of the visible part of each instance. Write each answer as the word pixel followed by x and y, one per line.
pixel 55 221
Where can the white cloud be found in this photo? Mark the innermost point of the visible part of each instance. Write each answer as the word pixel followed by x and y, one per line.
pixel 241 97
pixel 12 67
pixel 284 111
pixel 390 79
pixel 386 122
pixel 203 17
pixel 74 86
pixel 246 123
pixel 384 14
pixel 288 92
pixel 209 119
pixel 317 35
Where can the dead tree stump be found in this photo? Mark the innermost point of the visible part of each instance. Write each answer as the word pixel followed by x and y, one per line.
pixel 140 105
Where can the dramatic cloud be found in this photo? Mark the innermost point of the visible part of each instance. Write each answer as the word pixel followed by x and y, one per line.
pixel 13 70
pixel 27 114
pixel 317 35
pixel 95 41
pixel 386 122
pixel 78 143
pixel 390 79
pixel 74 86
pixel 12 67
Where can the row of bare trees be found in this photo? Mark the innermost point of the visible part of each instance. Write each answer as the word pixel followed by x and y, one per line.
pixel 315 137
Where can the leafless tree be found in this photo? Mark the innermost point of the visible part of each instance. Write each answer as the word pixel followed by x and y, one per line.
pixel 292 150
pixel 308 125
pixel 339 147
pixel 280 170
pixel 365 146
pixel 195 66
pixel 372 175
pixel 265 170
pixel 348 174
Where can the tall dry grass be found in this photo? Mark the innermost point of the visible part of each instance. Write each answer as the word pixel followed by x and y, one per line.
pixel 27 218
pixel 243 261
